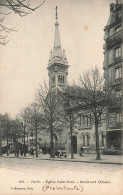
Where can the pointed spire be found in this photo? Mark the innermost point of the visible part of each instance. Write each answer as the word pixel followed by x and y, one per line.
pixel 57 52
pixel 57 55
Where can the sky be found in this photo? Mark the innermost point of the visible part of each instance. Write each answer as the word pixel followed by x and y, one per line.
pixel 24 61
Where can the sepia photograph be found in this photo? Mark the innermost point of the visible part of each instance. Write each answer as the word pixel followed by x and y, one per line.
pixel 61 103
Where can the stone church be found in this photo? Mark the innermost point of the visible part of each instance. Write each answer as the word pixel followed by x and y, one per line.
pixel 84 132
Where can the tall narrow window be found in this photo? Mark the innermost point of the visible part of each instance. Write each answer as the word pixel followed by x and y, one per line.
pixel 117 29
pixel 87 120
pixel 83 139
pixel 118 52
pixel 87 139
pixel 118 117
pixel 61 79
pixel 118 73
pixel 118 94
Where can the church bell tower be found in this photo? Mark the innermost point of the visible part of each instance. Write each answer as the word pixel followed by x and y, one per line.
pixel 57 65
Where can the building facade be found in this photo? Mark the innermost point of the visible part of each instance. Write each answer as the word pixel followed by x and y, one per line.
pixel 113 73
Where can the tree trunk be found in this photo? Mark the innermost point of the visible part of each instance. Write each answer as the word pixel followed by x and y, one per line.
pixel 51 145
pixel 7 146
pixel 27 142
pixel 97 142
pixel 36 142
pixel 24 144
pixel 72 154
pixel 7 135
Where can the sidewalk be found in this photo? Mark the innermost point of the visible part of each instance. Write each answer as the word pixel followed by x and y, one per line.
pixel 89 158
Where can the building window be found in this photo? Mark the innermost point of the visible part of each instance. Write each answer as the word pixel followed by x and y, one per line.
pixel 102 139
pixel 117 73
pixel 119 14
pixel 87 140
pixel 87 120
pixel 61 79
pixel 117 29
pixel 118 94
pixel 39 139
pixel 118 52
pixel 53 81
pixel 118 117
pixel 83 140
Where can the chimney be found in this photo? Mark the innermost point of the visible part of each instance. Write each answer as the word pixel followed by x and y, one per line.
pixel 112 7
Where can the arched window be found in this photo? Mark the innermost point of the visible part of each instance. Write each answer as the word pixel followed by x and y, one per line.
pixel 60 79
pixel 83 140
pixel 87 140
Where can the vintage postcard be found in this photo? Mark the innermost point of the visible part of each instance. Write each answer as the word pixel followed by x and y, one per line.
pixel 61 115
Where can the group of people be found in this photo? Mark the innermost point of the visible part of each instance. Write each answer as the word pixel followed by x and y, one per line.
pixel 32 151
pixel 19 151
pixel 46 150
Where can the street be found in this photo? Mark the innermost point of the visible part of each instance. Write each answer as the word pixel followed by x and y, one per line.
pixel 35 176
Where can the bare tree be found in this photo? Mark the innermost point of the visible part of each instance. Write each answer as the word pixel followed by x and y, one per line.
pixel 92 98
pixel 2 130
pixel 23 117
pixel 15 129
pixel 35 121
pixel 69 114
pixel 51 107
pixel 20 7
pixel 7 131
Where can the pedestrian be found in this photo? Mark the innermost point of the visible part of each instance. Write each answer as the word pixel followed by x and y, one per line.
pixel 17 152
pixel 32 151
pixel 49 150
pixel 21 151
